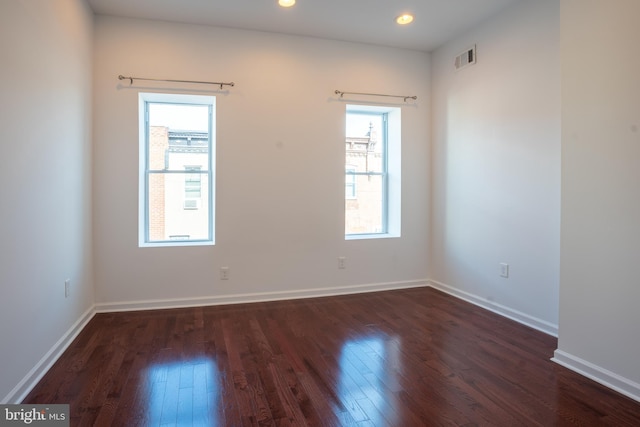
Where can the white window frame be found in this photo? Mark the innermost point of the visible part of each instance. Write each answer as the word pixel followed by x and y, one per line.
pixel 391 170
pixel 144 99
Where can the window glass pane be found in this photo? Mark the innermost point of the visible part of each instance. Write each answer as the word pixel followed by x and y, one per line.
pixel 365 178
pixel 365 141
pixel 365 213
pixel 172 216
pixel 178 136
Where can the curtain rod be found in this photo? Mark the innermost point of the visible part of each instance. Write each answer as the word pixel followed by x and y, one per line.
pixel 339 92
pixel 131 79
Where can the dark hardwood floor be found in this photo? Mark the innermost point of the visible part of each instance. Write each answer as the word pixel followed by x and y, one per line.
pixel 412 357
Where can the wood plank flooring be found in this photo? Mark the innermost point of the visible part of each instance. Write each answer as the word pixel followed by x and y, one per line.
pixel 412 357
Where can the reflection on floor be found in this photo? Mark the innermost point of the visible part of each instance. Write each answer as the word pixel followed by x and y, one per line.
pixel 182 392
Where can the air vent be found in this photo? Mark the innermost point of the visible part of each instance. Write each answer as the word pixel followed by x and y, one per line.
pixel 466 58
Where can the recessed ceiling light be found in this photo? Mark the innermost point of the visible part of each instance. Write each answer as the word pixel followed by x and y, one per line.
pixel 404 19
pixel 286 3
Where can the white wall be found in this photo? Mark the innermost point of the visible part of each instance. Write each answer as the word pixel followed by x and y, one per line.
pixel 280 156
pixel 496 165
pixel 496 173
pixel 599 282
pixel 45 211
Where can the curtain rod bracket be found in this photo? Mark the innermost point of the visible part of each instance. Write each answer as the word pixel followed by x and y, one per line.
pixel 121 77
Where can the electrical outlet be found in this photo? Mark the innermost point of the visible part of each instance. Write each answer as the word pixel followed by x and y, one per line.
pixel 67 288
pixel 342 263
pixel 224 273
pixel 504 270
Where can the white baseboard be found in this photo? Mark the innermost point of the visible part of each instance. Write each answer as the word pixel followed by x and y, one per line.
pixel 30 380
pixel 518 316
pixel 254 297
pixel 600 375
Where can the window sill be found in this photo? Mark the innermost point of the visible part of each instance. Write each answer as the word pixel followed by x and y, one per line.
pixel 176 244
pixel 370 236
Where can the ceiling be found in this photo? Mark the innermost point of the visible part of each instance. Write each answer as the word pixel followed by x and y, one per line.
pixel 365 21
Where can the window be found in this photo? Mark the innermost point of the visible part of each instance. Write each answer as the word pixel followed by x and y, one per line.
pixel 177 147
pixel 372 172
pixel 350 182
pixel 192 182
